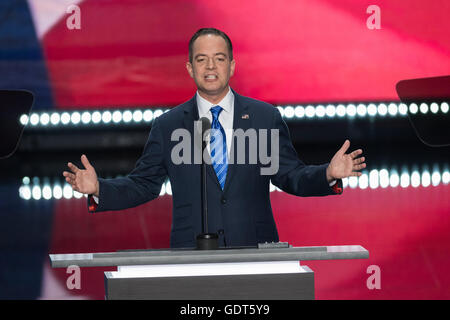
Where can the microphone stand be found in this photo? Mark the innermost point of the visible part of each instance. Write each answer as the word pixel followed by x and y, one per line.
pixel 205 240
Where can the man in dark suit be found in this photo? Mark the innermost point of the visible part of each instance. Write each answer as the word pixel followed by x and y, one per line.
pixel 238 192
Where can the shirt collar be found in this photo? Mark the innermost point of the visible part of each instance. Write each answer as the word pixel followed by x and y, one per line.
pixel 204 105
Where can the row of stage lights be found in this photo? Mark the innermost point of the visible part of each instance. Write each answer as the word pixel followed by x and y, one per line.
pixel 65 118
pixel 34 189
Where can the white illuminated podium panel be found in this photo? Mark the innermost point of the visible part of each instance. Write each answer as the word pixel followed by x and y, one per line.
pixel 207 281
pixel 246 273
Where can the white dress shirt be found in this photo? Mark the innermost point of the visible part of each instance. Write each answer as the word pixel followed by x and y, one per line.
pixel 225 116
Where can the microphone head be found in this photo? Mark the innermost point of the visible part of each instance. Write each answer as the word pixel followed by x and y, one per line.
pixel 206 125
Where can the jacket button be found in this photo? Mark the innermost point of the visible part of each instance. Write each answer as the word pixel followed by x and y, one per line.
pixel 220 231
pixel 223 200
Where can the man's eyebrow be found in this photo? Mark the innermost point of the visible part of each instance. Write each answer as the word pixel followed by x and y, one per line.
pixel 204 55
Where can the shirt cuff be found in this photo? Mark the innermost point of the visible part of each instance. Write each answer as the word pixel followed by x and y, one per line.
pixel 93 203
pixel 335 186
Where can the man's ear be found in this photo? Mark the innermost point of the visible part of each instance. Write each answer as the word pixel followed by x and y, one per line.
pixel 232 67
pixel 189 69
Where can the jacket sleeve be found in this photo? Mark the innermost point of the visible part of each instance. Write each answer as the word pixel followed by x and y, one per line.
pixel 294 176
pixel 140 185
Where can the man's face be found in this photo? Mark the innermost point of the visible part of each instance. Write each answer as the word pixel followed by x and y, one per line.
pixel 211 67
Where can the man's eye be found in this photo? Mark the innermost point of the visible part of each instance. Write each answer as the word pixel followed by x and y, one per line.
pixel 200 60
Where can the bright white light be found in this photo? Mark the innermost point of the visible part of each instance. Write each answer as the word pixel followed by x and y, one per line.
pixel 413 108
pixel 157 113
pixel 382 109
pixel 394 179
pixel 340 110
pixel 163 190
pixel 106 117
pixel 426 178
pixel 86 117
pixel 280 108
pixel 289 112
pixel 36 192
pixel 444 107
pixel 34 119
pixel 392 109
pixel 352 182
pixel 148 115
pixel 372 109
pixel 330 110
pixel 363 181
pixel 57 191
pixel 384 178
pixel 373 179
pixel 96 117
pixel 26 180
pixel 415 179
pixel 434 107
pixel 137 116
pixel 435 178
pixel 117 116
pixel 344 182
pixel 25 192
pixel 168 188
pixel 351 110
pixel 299 111
pixel 45 119
pixel 67 191
pixel 55 118
pixel 75 117
pixel 47 192
pixel 127 116
pixel 403 109
pixel 271 187
pixel 77 195
pixel 23 119
pixel 65 118
pixel 361 110
pixel 404 180
pixel 423 108
pixel 320 111
pixel 310 111
pixel 445 177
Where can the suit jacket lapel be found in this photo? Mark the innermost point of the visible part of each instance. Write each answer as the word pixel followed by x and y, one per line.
pixel 241 120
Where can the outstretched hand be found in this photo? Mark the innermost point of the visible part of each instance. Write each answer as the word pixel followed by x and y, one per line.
pixel 83 180
pixel 344 165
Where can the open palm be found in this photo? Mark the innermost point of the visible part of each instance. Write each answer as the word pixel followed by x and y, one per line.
pixel 344 165
pixel 82 180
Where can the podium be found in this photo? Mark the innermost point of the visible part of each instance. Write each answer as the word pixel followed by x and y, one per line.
pixel 222 274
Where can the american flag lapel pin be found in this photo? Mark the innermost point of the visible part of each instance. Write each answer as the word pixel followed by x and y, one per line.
pixel 245 116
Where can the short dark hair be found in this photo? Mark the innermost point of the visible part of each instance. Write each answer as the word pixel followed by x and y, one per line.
pixel 213 31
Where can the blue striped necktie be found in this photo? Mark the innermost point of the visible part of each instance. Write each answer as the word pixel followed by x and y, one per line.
pixel 218 146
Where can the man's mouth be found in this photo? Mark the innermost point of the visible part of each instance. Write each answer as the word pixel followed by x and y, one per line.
pixel 211 77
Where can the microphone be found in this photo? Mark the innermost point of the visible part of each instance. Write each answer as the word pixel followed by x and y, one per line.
pixel 205 240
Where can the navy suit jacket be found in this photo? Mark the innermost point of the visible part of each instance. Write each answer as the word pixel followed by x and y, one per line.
pixel 241 213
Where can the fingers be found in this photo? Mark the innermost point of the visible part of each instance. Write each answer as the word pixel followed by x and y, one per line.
pixel 69 176
pixel 73 167
pixel 85 162
pixel 344 147
pixel 356 153
pixel 71 179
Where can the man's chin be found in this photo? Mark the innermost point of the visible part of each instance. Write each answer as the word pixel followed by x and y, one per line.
pixel 213 91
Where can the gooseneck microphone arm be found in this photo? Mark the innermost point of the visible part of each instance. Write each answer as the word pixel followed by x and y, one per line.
pixel 205 240
pixel 206 125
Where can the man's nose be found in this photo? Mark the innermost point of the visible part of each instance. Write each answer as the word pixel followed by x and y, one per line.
pixel 211 64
